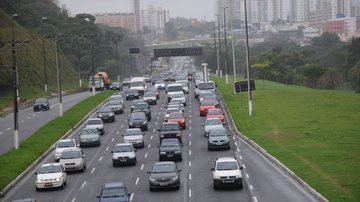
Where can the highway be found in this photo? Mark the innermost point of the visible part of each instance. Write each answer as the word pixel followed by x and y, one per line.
pixel 30 121
pixel 263 181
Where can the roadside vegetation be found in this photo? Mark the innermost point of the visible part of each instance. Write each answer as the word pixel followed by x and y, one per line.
pixel 15 162
pixel 313 132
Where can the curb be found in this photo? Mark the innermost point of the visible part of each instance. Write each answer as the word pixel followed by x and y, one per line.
pixel 47 152
pixel 272 159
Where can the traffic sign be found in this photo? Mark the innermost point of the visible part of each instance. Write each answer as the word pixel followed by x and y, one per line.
pixel 242 86
pixel 171 52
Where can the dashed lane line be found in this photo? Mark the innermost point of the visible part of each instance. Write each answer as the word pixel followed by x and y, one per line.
pixel 255 199
pixel 28 117
pixel 101 157
pixel 1 133
pixel 22 121
pixel 190 177
pixel 73 200
pixel 107 148
pixel 190 143
pixel 34 115
pixel 142 167
pixel 132 197
pixel 149 145
pixel 8 129
pixel 236 143
pixel 189 193
pixel 158 118
pixel 83 185
pixel 112 140
pixel 151 137
pixel 156 123
pixel 247 175
pixel 189 163
pixel 154 130
pixel 137 181
pixel 189 152
pixel 251 187
pixel 92 170
pixel 146 155
pixel 240 157
pixel 117 133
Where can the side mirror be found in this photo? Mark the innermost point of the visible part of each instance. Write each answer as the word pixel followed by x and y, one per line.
pixel 129 194
pixel 203 124
pixel 97 196
pixel 213 169
pixel 241 167
pixel 35 173
pixel 159 129
pixel 178 170
pixel 112 152
pixel 148 172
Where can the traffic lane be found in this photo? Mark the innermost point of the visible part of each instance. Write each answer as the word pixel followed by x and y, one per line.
pixel 201 182
pixel 30 121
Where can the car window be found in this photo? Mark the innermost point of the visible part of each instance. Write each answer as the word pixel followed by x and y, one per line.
pixel 105 110
pixel 133 132
pixel 88 131
pixel 169 127
pixel 94 122
pixel 213 122
pixel 214 112
pixel 164 168
pixel 217 133
pixel 230 165
pixel 207 103
pixel 113 192
pixel 49 169
pixel 175 116
pixel 41 100
pixel 137 116
pixel 169 143
pixel 206 86
pixel 71 154
pixel 115 102
pixel 123 148
pixel 64 144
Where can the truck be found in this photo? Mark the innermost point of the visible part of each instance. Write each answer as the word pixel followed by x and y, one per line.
pixel 102 81
pixel 139 84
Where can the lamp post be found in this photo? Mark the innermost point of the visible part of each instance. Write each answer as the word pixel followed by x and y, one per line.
pixel 205 71
pixel 216 50
pixel 248 61
pixel 44 53
pixel 92 63
pixel 219 33
pixel 58 76
pixel 233 47
pixel 15 85
pixel 226 55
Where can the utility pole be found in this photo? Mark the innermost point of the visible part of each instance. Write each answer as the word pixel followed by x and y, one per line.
pixel 44 53
pixel 233 47
pixel 216 50
pixel 15 86
pixel 226 55
pixel 219 33
pixel 58 77
pixel 248 61
pixel 92 68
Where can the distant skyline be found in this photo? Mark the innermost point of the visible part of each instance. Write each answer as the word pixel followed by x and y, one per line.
pixel 200 9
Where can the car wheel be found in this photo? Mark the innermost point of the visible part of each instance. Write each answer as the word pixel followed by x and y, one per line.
pixel 180 158
pixel 160 159
pixel 216 187
pixel 228 148
pixel 62 186
pixel 83 169
pixel 35 110
pixel 177 188
pixel 209 148
pixel 146 128
pixel 151 189
pixel 240 185
pixel 114 164
pixel 37 189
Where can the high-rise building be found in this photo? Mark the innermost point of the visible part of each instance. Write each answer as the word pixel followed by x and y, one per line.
pixel 123 20
pixel 320 13
pixel 299 10
pixel 154 18
pixel 340 8
pixel 136 11
pixel 355 9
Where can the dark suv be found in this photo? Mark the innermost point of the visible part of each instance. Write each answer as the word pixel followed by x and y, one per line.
pixel 170 149
pixel 142 107
pixel 170 130
pixel 138 120
pixel 41 104
pixel 132 94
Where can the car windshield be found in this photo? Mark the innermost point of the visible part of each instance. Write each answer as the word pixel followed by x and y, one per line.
pixel 89 132
pixel 149 94
pixel 214 112
pixel 115 84
pixel 206 86
pixel 169 143
pixel 132 91
pixel 210 97
pixel 159 82
pixel 64 144
pixel 169 127
pixel 230 165
pixel 105 110
pixel 217 132
pixel 164 168
pixel 137 117
pixel 176 116
pixel 94 122
pixel 116 97
pixel 213 122
pixel 140 106
pixel 71 155
pixel 136 83
pixel 113 192
pixel 131 132
pixel 175 88
pixel 41 100
pixel 115 102
pixel 207 103
pixel 124 148
pixel 49 169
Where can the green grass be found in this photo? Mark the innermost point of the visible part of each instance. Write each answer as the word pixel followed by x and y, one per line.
pixel 14 162
pixel 315 133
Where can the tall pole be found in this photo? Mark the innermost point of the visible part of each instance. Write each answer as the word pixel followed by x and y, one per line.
pixel 233 46
pixel 58 78
pixel 248 61
pixel 93 69
pixel 216 50
pixel 15 86
pixel 226 55
pixel 219 33
pixel 44 54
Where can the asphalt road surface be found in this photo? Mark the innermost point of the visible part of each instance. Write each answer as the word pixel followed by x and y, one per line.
pixel 30 121
pixel 263 181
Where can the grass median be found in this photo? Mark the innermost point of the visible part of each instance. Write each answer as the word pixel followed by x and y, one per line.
pixel 315 133
pixel 15 162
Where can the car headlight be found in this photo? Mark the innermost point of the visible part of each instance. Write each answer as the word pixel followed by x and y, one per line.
pixel 130 123
pixel 161 136
pixel 58 179
pixel 177 152
pixel 238 176
pixel 216 176
pixel 145 122
pixel 152 179
pixel 111 114
pixel 163 153
pixel 39 180
pixel 100 115
pixel 178 134
pixel 175 178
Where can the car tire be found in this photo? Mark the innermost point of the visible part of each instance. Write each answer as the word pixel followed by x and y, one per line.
pixel 151 189
pixel 35 110
pixel 209 149
pixel 115 164
pixel 37 189
pixel 146 128
pixel 180 158
pixel 62 186
pixel 228 148
pixel 177 188
pixel 240 185
pixel 216 187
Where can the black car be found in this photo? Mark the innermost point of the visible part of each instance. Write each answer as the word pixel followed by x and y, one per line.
pixel 132 94
pixel 135 102
pixel 138 120
pixel 164 175
pixel 142 107
pixel 106 114
pixel 170 130
pixel 170 149
pixel 114 191
pixel 41 104
pixel 116 86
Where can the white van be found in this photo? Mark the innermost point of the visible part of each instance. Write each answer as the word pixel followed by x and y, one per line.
pixel 205 86
pixel 139 84
pixel 173 88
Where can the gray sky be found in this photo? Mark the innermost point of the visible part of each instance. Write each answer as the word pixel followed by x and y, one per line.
pixel 182 8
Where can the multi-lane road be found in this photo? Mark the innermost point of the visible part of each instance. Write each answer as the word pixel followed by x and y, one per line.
pixel 263 181
pixel 30 121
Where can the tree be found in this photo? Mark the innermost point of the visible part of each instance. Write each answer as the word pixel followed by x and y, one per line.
pixel 313 72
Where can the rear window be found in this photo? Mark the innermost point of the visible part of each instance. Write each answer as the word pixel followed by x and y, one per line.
pixel 206 86
pixel 93 122
pixel 137 116
pixel 175 88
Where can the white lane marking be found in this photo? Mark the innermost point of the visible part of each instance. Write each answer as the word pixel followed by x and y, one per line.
pixel 137 181
pixel 83 185
pixel 132 196
pixel 189 163
pixel 190 176
pixel 117 133
pixel 190 110
pixel 1 133
pixel 189 143
pixel 234 138
pixel 189 152
pixel 92 170
pixel 159 113
pixel 149 145
pixel 145 155
pixel 28 117
pixel 73 200
pixel 237 149
pixel 244 165
pixel 154 130
pixel 247 175
pixel 122 126
pixel 190 128
pixel 22 121
pixel 190 121
pixel 190 193
pixel 107 148
pixel 34 114
pixel 151 137
pixel 100 158
pixel 142 167
pixel 236 143
pixel 160 108
pixel 189 134
pixel 8 129
pixel 251 187
pixel 156 123
pixel 112 140
pixel 240 157
pixel 190 115
pixel 158 118
pixel 39 112
pixel 255 199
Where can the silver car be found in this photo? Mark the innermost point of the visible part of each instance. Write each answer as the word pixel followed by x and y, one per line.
pixel 89 137
pixel 134 136
pixel 73 160
pixel 212 123
pixel 124 153
pixel 117 106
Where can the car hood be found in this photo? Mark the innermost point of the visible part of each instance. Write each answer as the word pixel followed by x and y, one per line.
pixel 133 137
pixel 170 132
pixel 115 106
pixel 90 136
pixel 166 149
pixel 75 160
pixel 149 98
pixel 163 175
pixel 218 138
pixel 60 150
pixel 123 154
pixel 211 127
pixel 115 199
pixel 48 176
pixel 208 107
pixel 214 116
pixel 228 173
pixel 104 114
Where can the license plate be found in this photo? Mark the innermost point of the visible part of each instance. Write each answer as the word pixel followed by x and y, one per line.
pixel 170 155
pixel 163 184
pixel 48 184
pixel 228 181
pixel 122 160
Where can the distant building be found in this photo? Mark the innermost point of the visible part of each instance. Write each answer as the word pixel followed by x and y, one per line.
pixel 320 12
pixel 311 32
pixel 340 8
pixel 123 20
pixel 154 19
pixel 136 11
pixel 344 27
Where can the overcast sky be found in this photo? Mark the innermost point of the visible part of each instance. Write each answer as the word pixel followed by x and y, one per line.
pixel 183 8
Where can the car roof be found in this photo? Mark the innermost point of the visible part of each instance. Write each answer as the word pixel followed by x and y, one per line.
pixel 226 159
pixel 137 129
pixel 50 164
pixel 164 163
pixel 94 119
pixel 123 144
pixel 66 140
pixel 114 184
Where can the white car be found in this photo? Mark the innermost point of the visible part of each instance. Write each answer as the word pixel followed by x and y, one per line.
pixel 227 172
pixel 160 85
pixel 211 123
pixel 95 123
pixel 134 136
pixel 123 153
pixel 179 96
pixel 150 98
pixel 73 160
pixel 185 88
pixel 61 145
pixel 50 175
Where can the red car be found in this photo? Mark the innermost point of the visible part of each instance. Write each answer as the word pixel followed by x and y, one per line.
pixel 178 117
pixel 156 91
pixel 216 113
pixel 205 105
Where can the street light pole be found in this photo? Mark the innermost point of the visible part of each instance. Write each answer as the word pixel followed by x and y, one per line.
pixel 15 85
pixel 248 60
pixel 226 55
pixel 44 53
pixel 205 71
pixel 233 46
pixel 219 33
pixel 93 69
pixel 216 50
pixel 58 77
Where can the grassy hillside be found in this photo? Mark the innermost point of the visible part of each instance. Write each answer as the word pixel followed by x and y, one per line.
pixel 316 133
pixel 30 63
